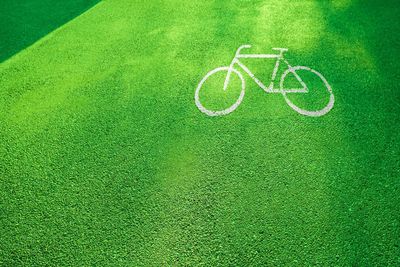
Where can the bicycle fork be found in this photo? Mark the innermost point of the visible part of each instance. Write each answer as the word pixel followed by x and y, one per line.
pixel 228 76
pixel 234 61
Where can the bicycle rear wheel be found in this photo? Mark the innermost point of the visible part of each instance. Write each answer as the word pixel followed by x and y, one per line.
pixel 307 112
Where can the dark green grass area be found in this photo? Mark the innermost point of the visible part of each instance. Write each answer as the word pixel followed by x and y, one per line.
pixel 23 22
pixel 106 161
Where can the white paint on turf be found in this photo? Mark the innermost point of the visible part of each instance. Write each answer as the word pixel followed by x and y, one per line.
pixel 270 89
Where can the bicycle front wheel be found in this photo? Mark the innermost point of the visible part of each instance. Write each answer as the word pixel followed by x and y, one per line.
pixel 220 111
pixel 324 90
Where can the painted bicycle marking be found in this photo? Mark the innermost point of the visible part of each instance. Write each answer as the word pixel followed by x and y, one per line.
pixel 271 88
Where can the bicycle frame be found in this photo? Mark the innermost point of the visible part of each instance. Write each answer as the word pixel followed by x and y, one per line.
pixel 279 58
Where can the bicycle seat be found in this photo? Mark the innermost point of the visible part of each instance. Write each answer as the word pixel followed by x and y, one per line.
pixel 280 49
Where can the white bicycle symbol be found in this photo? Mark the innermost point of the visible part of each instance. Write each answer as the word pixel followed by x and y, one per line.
pixel 270 89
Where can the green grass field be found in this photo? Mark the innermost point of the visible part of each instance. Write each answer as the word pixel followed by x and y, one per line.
pixel 105 159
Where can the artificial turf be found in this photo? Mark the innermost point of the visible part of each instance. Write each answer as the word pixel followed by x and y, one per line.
pixel 22 22
pixel 106 161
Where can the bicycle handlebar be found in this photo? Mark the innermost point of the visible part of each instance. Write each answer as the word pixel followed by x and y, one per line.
pixel 242 47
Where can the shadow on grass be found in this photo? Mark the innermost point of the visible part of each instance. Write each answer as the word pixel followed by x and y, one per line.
pixel 368 98
pixel 24 22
